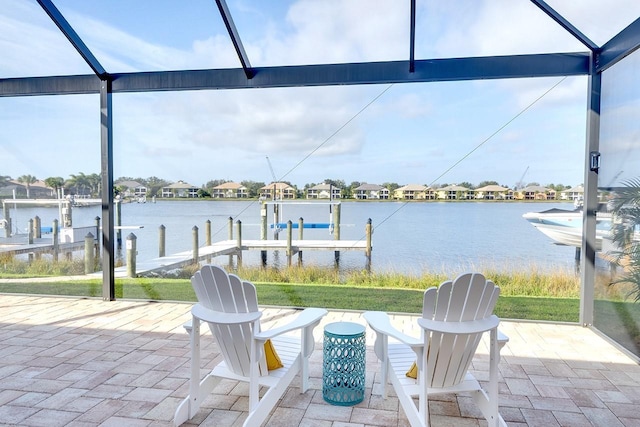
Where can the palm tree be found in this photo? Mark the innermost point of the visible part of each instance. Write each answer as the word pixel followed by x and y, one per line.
pixel 95 183
pixel 56 183
pixel 79 183
pixel 27 180
pixel 626 211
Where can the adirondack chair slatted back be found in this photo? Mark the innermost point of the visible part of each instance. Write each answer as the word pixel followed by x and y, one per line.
pixel 469 297
pixel 226 293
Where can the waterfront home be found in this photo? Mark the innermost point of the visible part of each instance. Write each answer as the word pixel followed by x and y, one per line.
pixel 8 191
pixel 371 191
pixel 132 189
pixel 454 192
pixel 414 192
pixel 573 193
pixel 324 191
pixel 180 189
pixel 282 191
pixel 229 190
pixel 37 190
pixel 494 192
pixel 536 192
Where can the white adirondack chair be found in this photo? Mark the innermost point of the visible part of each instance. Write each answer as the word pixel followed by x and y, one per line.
pixel 230 307
pixel 454 318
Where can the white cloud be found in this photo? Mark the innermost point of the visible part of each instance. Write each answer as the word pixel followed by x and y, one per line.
pixel 32 45
pixel 409 105
pixel 487 27
pixel 343 31
pixel 119 51
pixel 597 19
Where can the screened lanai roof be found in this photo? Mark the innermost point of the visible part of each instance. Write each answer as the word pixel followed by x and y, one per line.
pixel 128 37
pixel 133 47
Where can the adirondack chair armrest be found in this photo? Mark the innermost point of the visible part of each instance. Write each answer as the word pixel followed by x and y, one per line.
pixel 380 322
pixel 308 317
pixel 463 327
pixel 502 340
pixel 212 316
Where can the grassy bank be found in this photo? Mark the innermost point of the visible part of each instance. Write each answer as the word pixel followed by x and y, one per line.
pixel 533 283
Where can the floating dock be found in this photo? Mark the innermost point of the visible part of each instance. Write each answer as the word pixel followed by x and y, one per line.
pixel 231 247
pixel 180 259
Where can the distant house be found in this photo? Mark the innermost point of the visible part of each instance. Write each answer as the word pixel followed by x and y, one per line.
pixel 414 192
pixel 282 190
pixel 371 191
pixel 454 192
pixel 229 190
pixel 180 189
pixel 493 192
pixel 573 193
pixel 132 189
pixel 324 191
pixel 37 190
pixel 536 192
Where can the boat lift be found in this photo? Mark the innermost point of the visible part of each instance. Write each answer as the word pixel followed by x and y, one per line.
pixel 278 204
pixel 278 224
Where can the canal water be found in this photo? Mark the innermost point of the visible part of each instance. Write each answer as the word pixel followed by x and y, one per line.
pixel 408 237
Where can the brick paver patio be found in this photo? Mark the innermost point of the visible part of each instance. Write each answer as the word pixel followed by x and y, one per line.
pixel 84 362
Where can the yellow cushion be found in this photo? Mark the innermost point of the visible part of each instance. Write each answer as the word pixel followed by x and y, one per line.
pixel 413 371
pixel 273 361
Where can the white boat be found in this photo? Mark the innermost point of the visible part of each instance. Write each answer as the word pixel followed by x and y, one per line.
pixel 564 227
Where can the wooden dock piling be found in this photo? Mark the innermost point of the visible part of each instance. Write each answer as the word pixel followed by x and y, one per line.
pixel 37 230
pixel 207 236
pixel 239 242
pixel 56 240
pixel 30 232
pixel 368 232
pixel 263 231
pixel 89 254
pixel 37 227
pixel 369 235
pixel 162 236
pixel 98 235
pixel 300 236
pixel 289 240
pixel 195 244
pixel 276 220
pixel 131 254
pixel 230 237
pixel 336 229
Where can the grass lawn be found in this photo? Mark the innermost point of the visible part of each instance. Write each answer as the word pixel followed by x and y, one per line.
pixel 306 295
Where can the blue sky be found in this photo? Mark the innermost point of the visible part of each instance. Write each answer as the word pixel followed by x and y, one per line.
pixel 411 133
